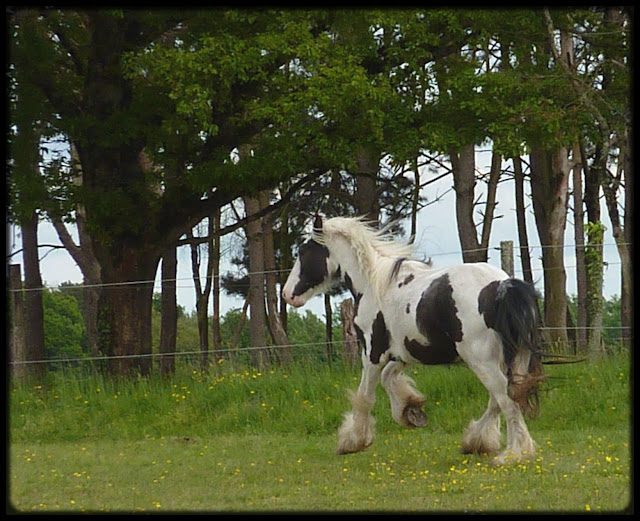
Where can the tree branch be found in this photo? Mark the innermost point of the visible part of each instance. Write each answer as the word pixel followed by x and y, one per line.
pixel 605 130
pixel 250 218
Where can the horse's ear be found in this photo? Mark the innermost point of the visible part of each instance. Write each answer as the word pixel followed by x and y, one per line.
pixel 317 224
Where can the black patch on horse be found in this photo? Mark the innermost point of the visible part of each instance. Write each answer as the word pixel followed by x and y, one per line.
pixel 487 303
pixel 429 355
pixel 360 336
pixel 380 338
pixel 313 266
pixel 396 268
pixel 437 319
pixel 406 280
pixel 349 283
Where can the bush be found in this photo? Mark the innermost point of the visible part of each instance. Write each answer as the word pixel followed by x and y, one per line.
pixel 64 334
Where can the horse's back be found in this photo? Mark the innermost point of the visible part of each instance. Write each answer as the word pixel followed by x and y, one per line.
pixel 431 312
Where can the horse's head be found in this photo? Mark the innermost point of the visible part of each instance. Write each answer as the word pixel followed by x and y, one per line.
pixel 313 273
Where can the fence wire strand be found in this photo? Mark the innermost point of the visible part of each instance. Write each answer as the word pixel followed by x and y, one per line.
pixel 238 350
pixel 174 354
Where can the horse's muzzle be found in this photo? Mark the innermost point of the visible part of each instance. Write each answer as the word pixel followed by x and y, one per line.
pixel 295 301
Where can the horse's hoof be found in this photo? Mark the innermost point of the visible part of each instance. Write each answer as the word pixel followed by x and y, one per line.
pixel 352 448
pixel 415 417
pixel 508 457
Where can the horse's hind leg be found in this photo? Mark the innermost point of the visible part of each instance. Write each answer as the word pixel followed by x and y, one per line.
pixel 483 436
pixel 356 432
pixel 519 441
pixel 520 445
pixel 406 401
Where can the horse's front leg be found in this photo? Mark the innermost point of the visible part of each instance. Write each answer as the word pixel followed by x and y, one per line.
pixel 356 432
pixel 406 401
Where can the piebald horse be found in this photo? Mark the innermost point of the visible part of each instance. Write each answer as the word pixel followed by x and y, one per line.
pixel 409 312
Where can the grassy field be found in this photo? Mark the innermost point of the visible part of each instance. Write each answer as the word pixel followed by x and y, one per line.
pixel 243 440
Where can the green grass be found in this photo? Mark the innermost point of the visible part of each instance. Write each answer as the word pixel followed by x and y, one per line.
pixel 243 440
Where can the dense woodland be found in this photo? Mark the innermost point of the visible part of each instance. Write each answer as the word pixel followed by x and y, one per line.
pixel 148 131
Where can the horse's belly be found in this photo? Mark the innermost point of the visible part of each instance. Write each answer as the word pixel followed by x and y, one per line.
pixel 430 353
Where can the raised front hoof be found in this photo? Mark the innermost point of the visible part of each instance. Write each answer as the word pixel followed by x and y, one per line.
pixel 414 416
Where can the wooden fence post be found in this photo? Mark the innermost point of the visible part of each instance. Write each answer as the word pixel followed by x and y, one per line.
pixel 506 256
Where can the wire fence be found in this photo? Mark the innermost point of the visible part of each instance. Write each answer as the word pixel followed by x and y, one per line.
pixel 242 350
pixel 176 354
pixel 232 351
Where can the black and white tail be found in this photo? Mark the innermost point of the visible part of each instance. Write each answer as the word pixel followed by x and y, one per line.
pixel 517 320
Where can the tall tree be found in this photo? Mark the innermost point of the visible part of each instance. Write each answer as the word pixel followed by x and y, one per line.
pixel 550 189
pixel 121 82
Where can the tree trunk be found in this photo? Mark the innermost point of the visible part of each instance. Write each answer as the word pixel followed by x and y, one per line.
pixel 521 220
pixel 214 257
pixel 286 262
pixel 33 310
pixel 328 330
pixel 578 233
pixel 593 262
pixel 549 190
pixel 257 310
pixel 595 300
pixel 124 311
pixel 83 256
pixel 490 205
pixel 202 294
pixel 626 299
pixel 366 196
pixel 611 185
pixel 591 186
pixel 169 319
pixel 415 201
pixel 17 348
pixel 276 328
pixel 236 334
pixel 463 166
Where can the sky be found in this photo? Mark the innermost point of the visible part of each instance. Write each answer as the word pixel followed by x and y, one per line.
pixel 437 238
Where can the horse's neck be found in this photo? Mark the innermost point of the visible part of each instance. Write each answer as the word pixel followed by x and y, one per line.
pixel 350 267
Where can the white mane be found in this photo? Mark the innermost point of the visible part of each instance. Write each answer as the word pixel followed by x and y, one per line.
pixel 376 250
